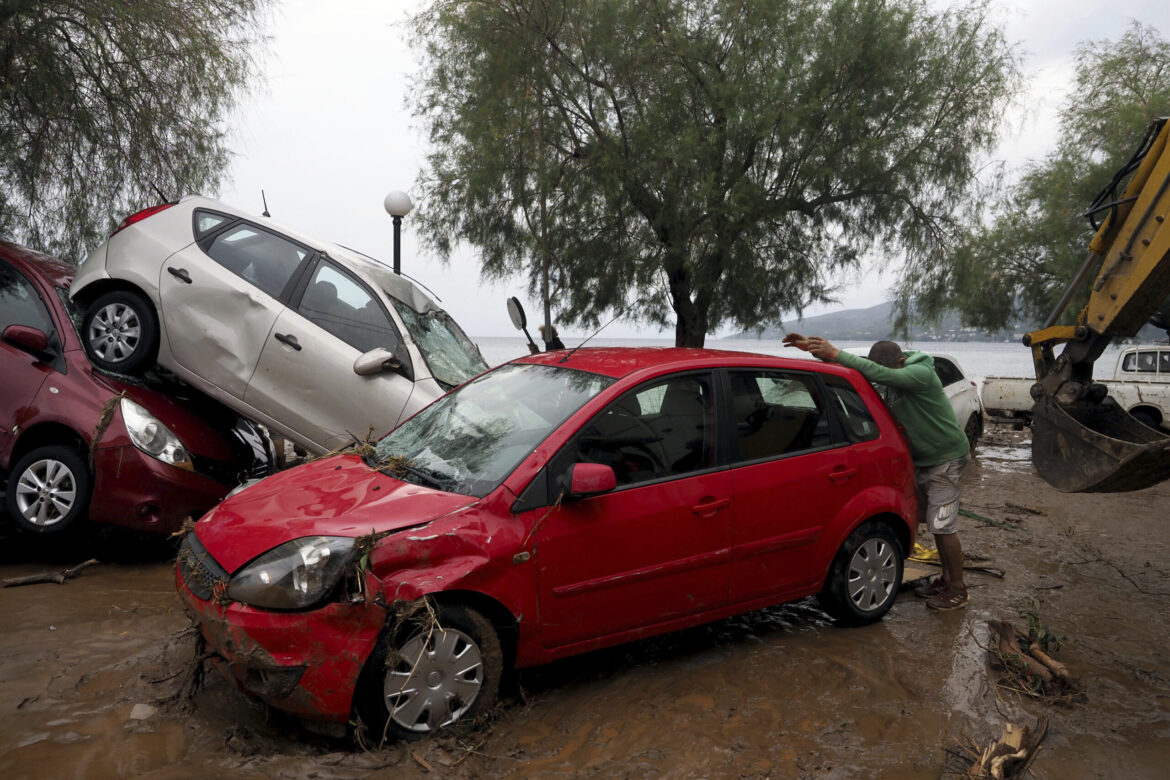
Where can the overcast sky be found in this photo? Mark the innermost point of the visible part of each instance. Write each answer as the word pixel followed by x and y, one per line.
pixel 329 133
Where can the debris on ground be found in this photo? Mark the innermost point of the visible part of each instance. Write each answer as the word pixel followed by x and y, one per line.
pixel 1027 664
pixel 1006 758
pixel 57 577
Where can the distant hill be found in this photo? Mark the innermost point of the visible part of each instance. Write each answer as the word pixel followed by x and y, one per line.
pixel 876 323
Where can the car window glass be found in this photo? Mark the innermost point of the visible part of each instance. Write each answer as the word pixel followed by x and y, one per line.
pixel 266 260
pixel 469 440
pixel 206 221
pixel 339 304
pixel 1164 362
pixel 851 410
pixel 1147 361
pixel 452 357
pixel 948 374
pixel 777 413
pixel 20 304
pixel 662 430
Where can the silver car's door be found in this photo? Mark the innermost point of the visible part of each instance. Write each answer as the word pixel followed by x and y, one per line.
pixel 220 298
pixel 305 382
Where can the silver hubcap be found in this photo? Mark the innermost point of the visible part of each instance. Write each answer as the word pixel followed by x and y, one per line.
pixel 872 574
pixel 114 332
pixel 437 678
pixel 45 492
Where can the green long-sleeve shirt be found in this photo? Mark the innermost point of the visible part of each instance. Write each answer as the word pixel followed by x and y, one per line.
pixel 917 399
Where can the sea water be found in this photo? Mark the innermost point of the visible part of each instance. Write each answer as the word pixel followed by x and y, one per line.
pixel 977 359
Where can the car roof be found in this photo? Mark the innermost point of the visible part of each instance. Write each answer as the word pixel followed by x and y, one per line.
pixel 57 271
pixel 397 286
pixel 618 362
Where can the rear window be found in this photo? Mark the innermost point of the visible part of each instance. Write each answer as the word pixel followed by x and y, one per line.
pixel 947 372
pixel 777 413
pixel 262 258
pixel 858 422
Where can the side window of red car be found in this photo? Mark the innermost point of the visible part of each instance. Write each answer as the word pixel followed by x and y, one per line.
pixel 660 430
pixel 20 304
pixel 262 258
pixel 777 413
pixel 855 417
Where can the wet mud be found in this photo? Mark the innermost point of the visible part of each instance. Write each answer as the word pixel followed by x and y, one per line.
pixel 92 671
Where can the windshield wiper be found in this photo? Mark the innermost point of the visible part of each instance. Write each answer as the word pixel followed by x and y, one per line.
pixel 400 464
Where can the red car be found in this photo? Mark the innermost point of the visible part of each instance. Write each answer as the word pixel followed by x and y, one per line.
pixel 157 458
pixel 560 503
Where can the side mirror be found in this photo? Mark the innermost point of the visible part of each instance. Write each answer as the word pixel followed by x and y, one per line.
pixel 516 313
pixel 28 339
pixel 520 320
pixel 378 360
pixel 590 479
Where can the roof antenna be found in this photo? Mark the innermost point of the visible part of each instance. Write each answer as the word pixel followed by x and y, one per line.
pixel 621 313
pixel 265 199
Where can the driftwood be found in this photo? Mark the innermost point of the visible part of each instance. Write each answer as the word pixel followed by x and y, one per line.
pixel 1010 756
pixel 1031 672
pixel 48 576
pixel 1012 655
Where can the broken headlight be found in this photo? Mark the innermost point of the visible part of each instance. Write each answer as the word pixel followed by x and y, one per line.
pixel 295 575
pixel 154 438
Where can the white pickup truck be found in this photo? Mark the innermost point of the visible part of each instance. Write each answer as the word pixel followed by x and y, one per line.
pixel 1140 384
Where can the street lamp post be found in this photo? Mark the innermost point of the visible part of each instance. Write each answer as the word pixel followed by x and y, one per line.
pixel 397 206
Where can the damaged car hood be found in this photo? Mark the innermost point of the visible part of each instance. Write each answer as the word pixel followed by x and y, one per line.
pixel 339 496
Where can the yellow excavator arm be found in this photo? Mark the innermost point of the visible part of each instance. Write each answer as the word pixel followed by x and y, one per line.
pixel 1082 441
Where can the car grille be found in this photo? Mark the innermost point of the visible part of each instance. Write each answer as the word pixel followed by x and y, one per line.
pixel 202 574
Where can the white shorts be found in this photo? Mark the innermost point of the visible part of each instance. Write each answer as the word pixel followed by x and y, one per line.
pixel 938 495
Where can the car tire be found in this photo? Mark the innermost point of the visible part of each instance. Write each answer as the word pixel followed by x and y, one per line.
pixel 973 429
pixel 48 490
pixel 431 674
pixel 866 574
pixel 120 332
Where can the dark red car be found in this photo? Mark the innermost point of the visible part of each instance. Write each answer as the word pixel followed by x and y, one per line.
pixel 558 504
pixel 77 443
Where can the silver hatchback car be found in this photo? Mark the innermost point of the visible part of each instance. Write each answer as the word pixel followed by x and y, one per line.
pixel 315 341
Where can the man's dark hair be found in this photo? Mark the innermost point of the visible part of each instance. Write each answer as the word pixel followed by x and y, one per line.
pixel 886 353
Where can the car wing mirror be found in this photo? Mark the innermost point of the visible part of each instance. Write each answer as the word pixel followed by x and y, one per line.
pixel 27 339
pixel 378 360
pixel 590 479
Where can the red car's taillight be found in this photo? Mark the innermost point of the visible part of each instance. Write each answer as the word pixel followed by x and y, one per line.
pixel 138 216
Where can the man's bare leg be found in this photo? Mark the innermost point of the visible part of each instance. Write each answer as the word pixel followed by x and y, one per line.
pixel 950 557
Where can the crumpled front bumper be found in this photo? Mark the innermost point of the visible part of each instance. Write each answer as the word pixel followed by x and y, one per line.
pixel 304 663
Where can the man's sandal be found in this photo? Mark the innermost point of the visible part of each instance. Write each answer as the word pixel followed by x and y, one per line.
pixel 932 587
pixel 947 600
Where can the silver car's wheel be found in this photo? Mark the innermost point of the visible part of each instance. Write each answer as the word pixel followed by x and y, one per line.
pixel 121 332
pixel 49 489
pixel 873 573
pixel 426 674
pixel 115 332
pixel 863 580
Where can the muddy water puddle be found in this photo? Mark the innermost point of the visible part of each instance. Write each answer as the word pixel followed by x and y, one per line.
pixel 779 693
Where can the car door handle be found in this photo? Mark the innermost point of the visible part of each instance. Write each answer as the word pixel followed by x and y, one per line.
pixel 290 339
pixel 709 508
pixel 180 274
pixel 842 473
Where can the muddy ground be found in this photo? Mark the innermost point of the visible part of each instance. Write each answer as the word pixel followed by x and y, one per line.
pixel 90 672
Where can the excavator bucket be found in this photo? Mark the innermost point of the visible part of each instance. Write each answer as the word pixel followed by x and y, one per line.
pixel 1097 448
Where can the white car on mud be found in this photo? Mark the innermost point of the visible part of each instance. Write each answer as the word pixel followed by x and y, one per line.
pixel 320 343
pixel 963 393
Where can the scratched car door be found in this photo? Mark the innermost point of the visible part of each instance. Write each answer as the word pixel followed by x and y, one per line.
pixel 656 547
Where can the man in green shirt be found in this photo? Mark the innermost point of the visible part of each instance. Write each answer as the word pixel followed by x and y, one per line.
pixel 937 444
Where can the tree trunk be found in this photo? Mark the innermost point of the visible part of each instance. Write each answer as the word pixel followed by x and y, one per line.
pixel 690 324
